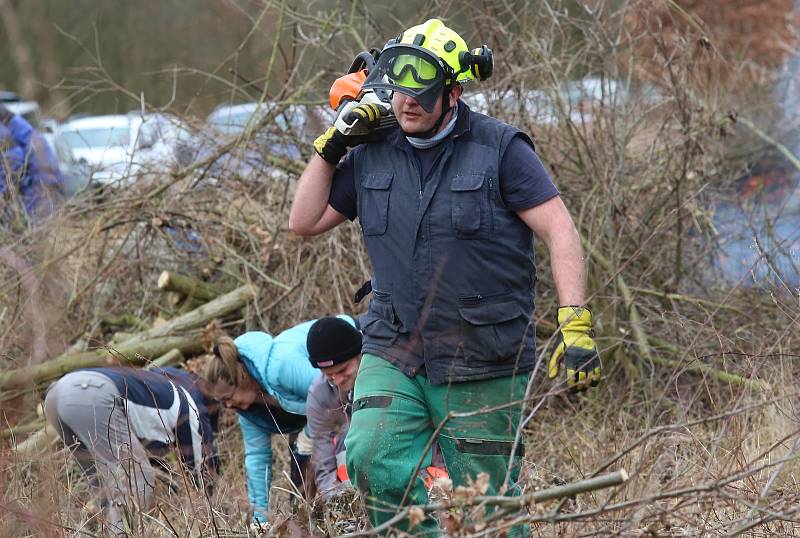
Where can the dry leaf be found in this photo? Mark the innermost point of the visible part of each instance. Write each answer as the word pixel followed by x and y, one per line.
pixel 416 515
pixel 482 483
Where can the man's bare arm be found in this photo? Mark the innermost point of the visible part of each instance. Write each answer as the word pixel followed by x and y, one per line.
pixel 310 213
pixel 552 223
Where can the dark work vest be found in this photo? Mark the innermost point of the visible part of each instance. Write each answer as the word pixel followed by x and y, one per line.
pixel 453 269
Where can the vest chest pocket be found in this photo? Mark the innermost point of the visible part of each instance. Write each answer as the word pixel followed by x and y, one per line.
pixel 373 202
pixel 469 206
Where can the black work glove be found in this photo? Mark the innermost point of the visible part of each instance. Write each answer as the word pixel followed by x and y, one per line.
pixel 333 143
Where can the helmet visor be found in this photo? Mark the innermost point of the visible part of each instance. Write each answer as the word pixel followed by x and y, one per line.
pixel 410 70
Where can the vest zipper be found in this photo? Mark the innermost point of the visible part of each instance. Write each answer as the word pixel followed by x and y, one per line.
pixel 479 297
pixel 470 299
pixel 490 206
pixel 417 168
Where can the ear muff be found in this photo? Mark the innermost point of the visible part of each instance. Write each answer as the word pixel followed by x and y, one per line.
pixel 482 62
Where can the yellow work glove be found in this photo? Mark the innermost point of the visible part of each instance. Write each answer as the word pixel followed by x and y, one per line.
pixel 333 143
pixel 575 346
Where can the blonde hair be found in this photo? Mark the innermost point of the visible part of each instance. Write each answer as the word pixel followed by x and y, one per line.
pixel 226 366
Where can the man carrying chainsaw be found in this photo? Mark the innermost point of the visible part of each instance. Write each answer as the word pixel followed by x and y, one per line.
pixel 448 203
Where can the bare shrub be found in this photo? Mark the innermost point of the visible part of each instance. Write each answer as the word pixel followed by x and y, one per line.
pixel 697 402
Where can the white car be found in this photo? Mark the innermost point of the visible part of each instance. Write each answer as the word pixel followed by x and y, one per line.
pixel 120 147
pixel 101 142
pixel 290 130
pixel 160 140
pixel 290 126
pixel 577 100
pixel 233 119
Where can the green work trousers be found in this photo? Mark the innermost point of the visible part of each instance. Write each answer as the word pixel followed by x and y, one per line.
pixel 395 416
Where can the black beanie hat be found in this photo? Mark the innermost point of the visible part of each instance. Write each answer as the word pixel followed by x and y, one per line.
pixel 331 341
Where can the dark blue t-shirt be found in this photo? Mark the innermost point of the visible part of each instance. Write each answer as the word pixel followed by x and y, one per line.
pixel 524 182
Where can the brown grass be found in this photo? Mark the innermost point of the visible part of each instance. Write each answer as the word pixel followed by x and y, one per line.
pixel 705 456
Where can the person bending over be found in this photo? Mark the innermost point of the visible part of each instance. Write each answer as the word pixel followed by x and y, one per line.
pixel 116 420
pixel 266 380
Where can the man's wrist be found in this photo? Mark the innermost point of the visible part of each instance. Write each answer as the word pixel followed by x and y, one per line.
pixel 331 146
pixel 573 312
pixel 327 163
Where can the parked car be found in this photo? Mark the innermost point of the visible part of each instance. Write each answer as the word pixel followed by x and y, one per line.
pixel 160 139
pixel 120 147
pixel 234 119
pixel 102 143
pixel 579 100
pixel 291 129
pixel 76 174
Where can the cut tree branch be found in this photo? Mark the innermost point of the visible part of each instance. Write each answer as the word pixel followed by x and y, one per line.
pixel 133 353
pixel 189 287
pixel 499 501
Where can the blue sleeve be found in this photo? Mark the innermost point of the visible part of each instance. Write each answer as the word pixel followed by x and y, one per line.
pixel 343 197
pixel 40 187
pixel 258 465
pixel 524 181
pixel 21 130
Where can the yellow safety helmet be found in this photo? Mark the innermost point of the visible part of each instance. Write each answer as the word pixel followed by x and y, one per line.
pixel 426 61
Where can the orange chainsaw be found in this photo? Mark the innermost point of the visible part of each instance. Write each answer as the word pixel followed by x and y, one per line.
pixel 347 93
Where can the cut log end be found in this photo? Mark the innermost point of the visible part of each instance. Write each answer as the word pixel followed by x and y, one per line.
pixel 163 280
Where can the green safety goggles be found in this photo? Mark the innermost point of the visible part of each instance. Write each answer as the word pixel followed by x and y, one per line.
pixel 411 70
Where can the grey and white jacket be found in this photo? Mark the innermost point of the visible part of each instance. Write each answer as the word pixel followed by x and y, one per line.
pixel 328 412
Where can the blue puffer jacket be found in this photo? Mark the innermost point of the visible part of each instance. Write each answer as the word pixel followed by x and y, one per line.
pixel 41 184
pixel 281 367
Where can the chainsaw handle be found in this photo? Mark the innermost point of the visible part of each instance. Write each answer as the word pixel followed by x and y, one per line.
pixel 344 109
pixel 364 60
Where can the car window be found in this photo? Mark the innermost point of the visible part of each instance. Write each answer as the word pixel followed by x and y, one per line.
pixel 96 138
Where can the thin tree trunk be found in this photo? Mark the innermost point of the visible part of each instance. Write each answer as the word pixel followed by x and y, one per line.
pixel 20 51
pixel 56 102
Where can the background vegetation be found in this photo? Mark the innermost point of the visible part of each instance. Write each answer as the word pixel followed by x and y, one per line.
pixel 698 402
